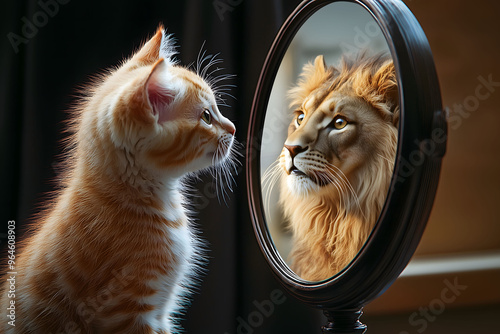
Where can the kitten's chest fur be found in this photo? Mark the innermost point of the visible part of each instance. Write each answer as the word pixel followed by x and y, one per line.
pixel 150 254
pixel 162 248
pixel 174 275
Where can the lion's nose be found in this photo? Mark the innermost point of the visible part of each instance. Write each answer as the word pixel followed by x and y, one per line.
pixel 294 150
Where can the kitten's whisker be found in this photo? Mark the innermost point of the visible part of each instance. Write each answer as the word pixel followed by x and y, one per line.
pixel 222 188
pixel 205 69
pixel 219 184
pixel 213 61
pixel 201 55
pixel 225 87
pixel 221 77
pixel 224 162
pixel 225 94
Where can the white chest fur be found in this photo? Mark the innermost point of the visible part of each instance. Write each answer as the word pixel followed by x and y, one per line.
pixel 172 286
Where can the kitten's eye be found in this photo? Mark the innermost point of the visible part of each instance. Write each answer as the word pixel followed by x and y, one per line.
pixel 206 117
pixel 300 118
pixel 339 123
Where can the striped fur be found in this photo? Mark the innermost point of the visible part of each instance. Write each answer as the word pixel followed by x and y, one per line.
pixel 115 251
pixel 332 209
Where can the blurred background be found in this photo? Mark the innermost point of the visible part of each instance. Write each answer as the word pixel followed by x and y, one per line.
pixel 461 244
pixel 451 286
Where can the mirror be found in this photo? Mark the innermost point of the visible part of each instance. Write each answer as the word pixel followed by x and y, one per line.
pixel 392 103
pixel 329 140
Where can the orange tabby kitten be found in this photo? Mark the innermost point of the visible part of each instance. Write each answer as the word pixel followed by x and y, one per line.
pixel 115 253
pixel 337 162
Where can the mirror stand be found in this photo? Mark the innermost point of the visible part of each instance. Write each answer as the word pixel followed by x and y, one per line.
pixel 343 322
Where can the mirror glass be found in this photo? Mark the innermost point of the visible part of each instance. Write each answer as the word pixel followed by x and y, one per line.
pixel 329 140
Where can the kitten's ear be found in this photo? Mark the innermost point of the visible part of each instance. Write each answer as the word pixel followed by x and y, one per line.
pixel 160 96
pixel 386 85
pixel 160 46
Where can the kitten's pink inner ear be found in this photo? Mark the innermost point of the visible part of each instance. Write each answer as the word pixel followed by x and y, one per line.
pixel 159 95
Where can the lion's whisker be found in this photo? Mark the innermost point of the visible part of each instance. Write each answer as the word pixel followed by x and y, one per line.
pixel 343 178
pixel 269 180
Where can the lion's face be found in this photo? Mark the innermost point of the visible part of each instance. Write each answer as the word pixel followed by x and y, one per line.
pixel 338 131
pixel 329 140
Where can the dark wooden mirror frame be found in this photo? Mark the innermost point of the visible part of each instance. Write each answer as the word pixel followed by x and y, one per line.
pixel 421 147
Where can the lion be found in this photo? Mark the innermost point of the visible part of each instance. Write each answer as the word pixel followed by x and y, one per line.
pixel 337 161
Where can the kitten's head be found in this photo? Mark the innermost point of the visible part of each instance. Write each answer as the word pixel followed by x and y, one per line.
pixel 153 115
pixel 344 129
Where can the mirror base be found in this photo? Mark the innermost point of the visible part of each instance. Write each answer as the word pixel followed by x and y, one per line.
pixel 343 322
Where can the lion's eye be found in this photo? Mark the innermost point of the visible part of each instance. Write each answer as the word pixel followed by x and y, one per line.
pixel 339 123
pixel 300 118
pixel 206 117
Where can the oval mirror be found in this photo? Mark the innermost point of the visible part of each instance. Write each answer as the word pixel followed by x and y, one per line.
pixel 329 140
pixel 347 136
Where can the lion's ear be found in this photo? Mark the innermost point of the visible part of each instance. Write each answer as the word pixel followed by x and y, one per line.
pixel 386 85
pixel 313 76
pixel 319 65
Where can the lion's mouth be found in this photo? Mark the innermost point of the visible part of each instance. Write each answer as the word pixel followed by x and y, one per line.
pixel 320 181
pixel 297 172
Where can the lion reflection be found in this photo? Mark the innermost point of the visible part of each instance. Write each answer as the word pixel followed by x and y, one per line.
pixel 336 164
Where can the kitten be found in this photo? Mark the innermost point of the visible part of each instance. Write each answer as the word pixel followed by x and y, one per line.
pixel 116 253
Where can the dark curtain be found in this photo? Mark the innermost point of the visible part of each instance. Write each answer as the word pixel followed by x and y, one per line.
pixel 49 48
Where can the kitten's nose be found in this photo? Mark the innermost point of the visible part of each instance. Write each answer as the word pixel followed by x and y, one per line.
pixel 231 129
pixel 295 149
pixel 228 126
